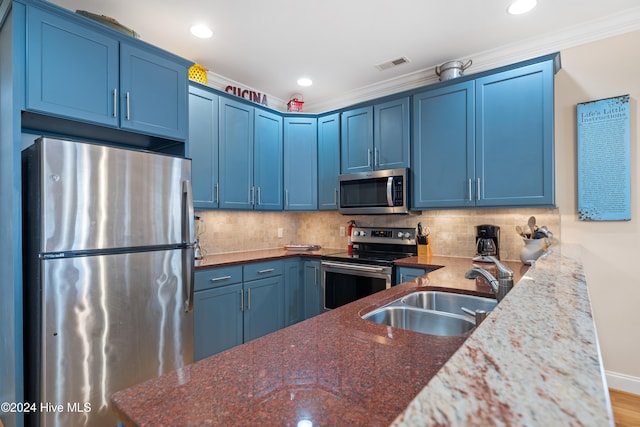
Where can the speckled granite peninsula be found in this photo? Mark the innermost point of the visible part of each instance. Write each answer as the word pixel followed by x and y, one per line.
pixel 533 361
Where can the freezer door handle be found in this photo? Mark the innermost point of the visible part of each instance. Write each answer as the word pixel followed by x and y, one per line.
pixel 188 224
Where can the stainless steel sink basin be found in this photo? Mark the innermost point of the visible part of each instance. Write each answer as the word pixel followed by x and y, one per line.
pixel 423 321
pixel 448 302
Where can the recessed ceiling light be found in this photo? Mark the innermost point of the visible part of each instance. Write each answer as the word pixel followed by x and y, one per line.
pixel 201 31
pixel 303 81
pixel 519 7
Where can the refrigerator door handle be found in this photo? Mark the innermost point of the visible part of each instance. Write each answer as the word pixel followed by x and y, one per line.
pixel 188 224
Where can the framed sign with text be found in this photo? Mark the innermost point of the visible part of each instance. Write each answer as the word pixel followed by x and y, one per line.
pixel 604 171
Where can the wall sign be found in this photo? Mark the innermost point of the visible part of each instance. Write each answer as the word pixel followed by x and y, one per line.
pixel 251 95
pixel 604 171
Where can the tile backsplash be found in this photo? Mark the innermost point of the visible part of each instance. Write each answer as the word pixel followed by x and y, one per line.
pixel 452 231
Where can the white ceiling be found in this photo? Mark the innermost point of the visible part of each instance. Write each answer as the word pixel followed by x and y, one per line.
pixel 268 45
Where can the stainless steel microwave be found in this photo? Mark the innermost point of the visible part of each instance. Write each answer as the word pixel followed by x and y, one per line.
pixel 377 192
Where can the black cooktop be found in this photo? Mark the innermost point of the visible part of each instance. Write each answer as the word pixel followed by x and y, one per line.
pixel 377 258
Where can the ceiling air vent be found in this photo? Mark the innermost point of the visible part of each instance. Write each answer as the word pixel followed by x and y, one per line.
pixel 393 63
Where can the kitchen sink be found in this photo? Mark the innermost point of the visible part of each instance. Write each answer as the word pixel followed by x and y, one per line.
pixel 448 302
pixel 419 320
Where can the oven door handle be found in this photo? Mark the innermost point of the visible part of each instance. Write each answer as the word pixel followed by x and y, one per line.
pixel 353 267
pixel 390 191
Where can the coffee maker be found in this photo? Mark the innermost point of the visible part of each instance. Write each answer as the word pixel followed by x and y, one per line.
pixel 487 242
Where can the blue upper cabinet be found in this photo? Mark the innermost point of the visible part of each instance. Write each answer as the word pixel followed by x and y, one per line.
pixel 376 137
pixel 80 70
pixel 72 70
pixel 236 155
pixel 153 93
pixel 357 140
pixel 202 147
pixel 268 186
pixel 486 142
pixel 514 137
pixel 391 134
pixel 328 161
pixel 301 163
pixel 443 147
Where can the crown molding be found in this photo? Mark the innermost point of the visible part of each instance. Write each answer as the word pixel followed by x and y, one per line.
pixel 602 28
pixel 550 42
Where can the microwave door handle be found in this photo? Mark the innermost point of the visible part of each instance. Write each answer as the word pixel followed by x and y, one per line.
pixel 390 191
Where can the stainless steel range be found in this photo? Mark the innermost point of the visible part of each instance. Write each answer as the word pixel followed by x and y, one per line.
pixel 369 268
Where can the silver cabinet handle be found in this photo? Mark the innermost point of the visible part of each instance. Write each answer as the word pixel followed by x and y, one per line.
pixel 128 106
pixel 315 275
pixel 268 270
pixel 253 194
pixel 217 192
pixel 470 196
pixel 368 157
pixel 259 196
pixel 115 102
pixel 401 278
pixel 241 300
pixel 335 196
pixel 286 198
pixel 217 279
pixel 249 299
pixel 376 155
pixel 478 189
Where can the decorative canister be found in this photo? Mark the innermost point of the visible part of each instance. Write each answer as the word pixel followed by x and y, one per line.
pixel 451 69
pixel 533 249
pixel 198 73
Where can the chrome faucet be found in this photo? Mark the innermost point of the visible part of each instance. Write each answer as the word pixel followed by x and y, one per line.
pixel 502 285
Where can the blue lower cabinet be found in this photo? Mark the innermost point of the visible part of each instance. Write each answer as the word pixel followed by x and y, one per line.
pixel 312 288
pixel 404 274
pixel 264 307
pixel 293 291
pixel 218 320
pixel 229 311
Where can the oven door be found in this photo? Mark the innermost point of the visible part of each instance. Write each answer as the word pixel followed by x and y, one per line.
pixel 344 282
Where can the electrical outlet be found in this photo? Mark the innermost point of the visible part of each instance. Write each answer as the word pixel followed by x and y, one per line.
pixel 343 232
pixel 280 233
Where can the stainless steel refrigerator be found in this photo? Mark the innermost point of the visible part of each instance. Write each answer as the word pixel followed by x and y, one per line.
pixel 108 267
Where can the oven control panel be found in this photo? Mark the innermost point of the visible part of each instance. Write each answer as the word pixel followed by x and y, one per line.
pixel 384 235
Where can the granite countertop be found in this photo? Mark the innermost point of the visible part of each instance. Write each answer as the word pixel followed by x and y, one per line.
pixel 535 360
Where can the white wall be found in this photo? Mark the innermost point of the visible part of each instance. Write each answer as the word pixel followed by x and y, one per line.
pixel 611 250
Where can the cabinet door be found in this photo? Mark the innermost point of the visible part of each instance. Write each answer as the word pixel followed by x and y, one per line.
pixel 268 161
pixel 301 163
pixel 443 147
pixel 218 320
pixel 357 140
pixel 514 137
pixel 404 274
pixel 72 71
pixel 312 289
pixel 328 161
pixel 391 134
pixel 202 147
pixel 264 307
pixel 236 154
pixel 153 93
pixel 293 292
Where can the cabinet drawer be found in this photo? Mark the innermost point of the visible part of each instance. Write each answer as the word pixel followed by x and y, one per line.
pixel 260 270
pixel 216 277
